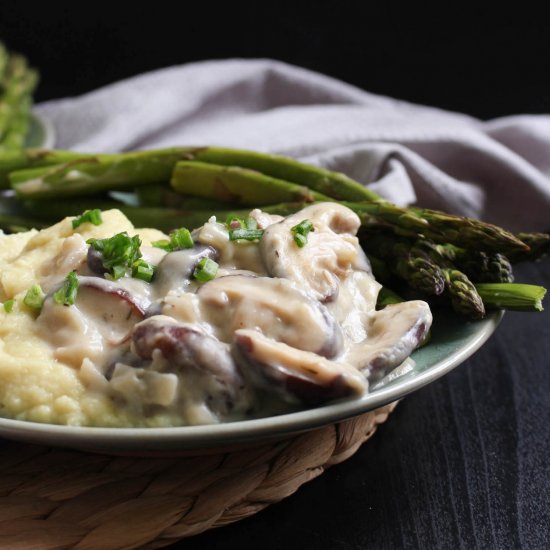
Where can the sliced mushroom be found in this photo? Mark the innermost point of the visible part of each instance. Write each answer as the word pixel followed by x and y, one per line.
pixel 273 306
pixel 96 325
pixel 130 294
pixel 330 252
pixel 393 333
pixel 199 358
pixel 176 268
pixel 295 375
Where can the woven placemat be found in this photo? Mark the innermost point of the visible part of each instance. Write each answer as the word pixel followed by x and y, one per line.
pixel 56 499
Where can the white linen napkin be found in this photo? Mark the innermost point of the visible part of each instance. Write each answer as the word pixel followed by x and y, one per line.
pixel 497 170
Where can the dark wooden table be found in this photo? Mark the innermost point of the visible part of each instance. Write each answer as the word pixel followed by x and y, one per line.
pixel 462 463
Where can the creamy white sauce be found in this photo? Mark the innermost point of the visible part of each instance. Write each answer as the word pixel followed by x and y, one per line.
pixel 296 324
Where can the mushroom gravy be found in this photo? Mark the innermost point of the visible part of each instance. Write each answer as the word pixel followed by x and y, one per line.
pixel 277 327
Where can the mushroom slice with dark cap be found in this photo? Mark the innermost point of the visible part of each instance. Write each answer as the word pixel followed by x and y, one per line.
pixel 331 249
pixel 101 318
pixel 295 375
pixel 202 360
pixel 276 307
pixel 393 333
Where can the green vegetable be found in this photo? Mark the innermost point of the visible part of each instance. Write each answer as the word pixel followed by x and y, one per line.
pixel 180 239
pixel 8 305
pixel 119 252
pixel 66 295
pixel 206 270
pixel 94 174
pixel 237 185
pixel 245 234
pixel 513 296
pixel 90 216
pixel 34 298
pixel 301 231
pixel 143 270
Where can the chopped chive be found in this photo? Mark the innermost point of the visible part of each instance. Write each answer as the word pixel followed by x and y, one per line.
pixel 66 295
pixel 245 234
pixel 180 239
pixel 301 231
pixel 300 240
pixel 143 270
pixel 91 216
pixel 118 271
pixel 34 298
pixel 164 244
pixel 8 305
pixel 206 270
pixel 118 252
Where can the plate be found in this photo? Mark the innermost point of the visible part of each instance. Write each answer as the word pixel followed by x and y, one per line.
pixel 41 132
pixel 453 341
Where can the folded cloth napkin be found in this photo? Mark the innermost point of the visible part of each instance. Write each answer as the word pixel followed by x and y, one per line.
pixel 497 170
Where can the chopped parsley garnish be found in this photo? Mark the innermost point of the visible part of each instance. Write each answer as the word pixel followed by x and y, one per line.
pixel 119 252
pixel 206 270
pixel 301 231
pixel 243 230
pixel 143 270
pixel 66 295
pixel 8 305
pixel 180 239
pixel 34 298
pixel 91 216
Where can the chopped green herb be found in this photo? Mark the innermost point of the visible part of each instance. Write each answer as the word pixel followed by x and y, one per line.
pixel 301 231
pixel 66 295
pixel 180 239
pixel 245 234
pixel 206 270
pixel 119 252
pixel 8 305
pixel 143 270
pixel 34 298
pixel 91 216
pixel 164 244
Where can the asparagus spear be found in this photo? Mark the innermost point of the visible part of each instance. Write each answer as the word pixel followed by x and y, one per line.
pixel 463 294
pixel 482 267
pixel 237 185
pixel 513 296
pixel 93 174
pixel 438 226
pixel 11 161
pixel 419 271
pixel 334 184
pixel 18 85
pixel 162 218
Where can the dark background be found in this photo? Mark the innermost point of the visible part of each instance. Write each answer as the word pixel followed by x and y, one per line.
pixel 464 462
pixel 468 61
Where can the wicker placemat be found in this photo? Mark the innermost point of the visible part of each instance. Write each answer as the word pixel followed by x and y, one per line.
pixel 57 499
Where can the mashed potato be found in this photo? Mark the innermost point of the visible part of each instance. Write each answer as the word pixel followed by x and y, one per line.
pixel 34 385
pixel 214 328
